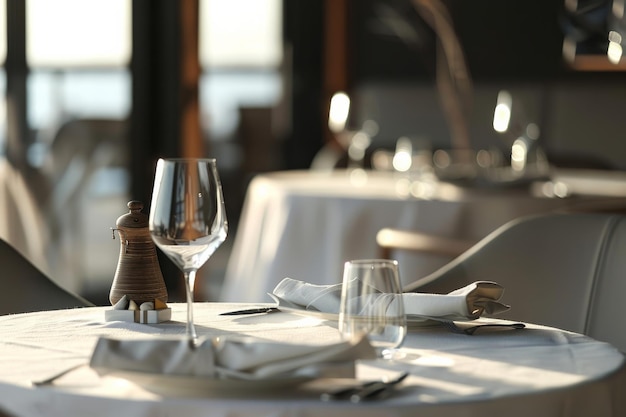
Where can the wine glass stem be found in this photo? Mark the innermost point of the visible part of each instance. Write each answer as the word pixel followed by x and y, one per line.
pixel 190 279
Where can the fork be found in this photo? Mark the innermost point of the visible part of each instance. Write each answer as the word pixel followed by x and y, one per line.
pixel 377 389
pixel 364 391
pixel 452 326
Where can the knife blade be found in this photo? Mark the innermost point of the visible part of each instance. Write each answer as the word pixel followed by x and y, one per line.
pixel 250 311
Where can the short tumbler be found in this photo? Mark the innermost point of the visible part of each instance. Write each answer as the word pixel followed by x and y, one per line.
pixel 371 304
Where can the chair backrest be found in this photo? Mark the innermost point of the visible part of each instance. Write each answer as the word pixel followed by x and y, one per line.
pixel 24 288
pixel 565 270
pixel 21 216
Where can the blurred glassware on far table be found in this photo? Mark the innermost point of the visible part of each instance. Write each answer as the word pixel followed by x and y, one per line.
pixel 523 161
pixel 347 143
pixel 411 156
pixel 527 157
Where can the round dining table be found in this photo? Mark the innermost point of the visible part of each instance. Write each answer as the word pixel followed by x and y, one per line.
pixel 305 224
pixel 537 371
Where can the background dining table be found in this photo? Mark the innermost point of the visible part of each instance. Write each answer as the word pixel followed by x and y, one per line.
pixel 538 371
pixel 306 224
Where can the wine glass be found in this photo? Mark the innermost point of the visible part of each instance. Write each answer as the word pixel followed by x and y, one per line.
pixel 372 305
pixel 188 218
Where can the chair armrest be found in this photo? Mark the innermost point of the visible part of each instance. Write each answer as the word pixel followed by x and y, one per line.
pixel 395 239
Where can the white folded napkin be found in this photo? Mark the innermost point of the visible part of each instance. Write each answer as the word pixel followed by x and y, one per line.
pixel 467 303
pixel 233 357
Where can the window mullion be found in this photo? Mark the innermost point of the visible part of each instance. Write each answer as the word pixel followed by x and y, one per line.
pixel 18 137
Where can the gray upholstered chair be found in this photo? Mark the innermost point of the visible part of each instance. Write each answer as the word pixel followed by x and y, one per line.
pixel 562 270
pixel 24 288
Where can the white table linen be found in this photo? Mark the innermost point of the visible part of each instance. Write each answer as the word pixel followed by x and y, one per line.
pixel 537 371
pixel 306 224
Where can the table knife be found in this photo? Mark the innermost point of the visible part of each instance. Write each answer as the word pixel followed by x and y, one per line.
pixel 250 311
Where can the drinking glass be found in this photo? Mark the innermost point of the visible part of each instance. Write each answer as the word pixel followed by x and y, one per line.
pixel 371 304
pixel 187 218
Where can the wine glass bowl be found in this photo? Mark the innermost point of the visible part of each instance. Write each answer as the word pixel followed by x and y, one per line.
pixel 187 217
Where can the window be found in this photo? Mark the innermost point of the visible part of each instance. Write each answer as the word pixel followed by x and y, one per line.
pixel 78 33
pixel 78 52
pixel 240 33
pixel 240 49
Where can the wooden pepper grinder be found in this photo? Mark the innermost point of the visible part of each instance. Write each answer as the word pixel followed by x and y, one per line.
pixel 138 274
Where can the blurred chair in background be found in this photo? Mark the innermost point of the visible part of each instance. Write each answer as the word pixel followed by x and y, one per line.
pixel 79 148
pixel 21 218
pixel 390 240
pixel 26 288
pixel 43 211
pixel 566 270
pixel 78 152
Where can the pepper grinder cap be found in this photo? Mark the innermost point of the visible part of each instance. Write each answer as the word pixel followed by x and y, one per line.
pixel 134 218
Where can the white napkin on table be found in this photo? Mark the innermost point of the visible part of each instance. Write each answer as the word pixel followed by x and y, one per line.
pixel 467 303
pixel 244 358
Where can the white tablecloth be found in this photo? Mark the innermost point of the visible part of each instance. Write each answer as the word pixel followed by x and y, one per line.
pixel 306 224
pixel 539 372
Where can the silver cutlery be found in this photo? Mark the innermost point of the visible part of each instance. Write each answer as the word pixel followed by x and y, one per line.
pixel 450 325
pixel 49 380
pixel 365 391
